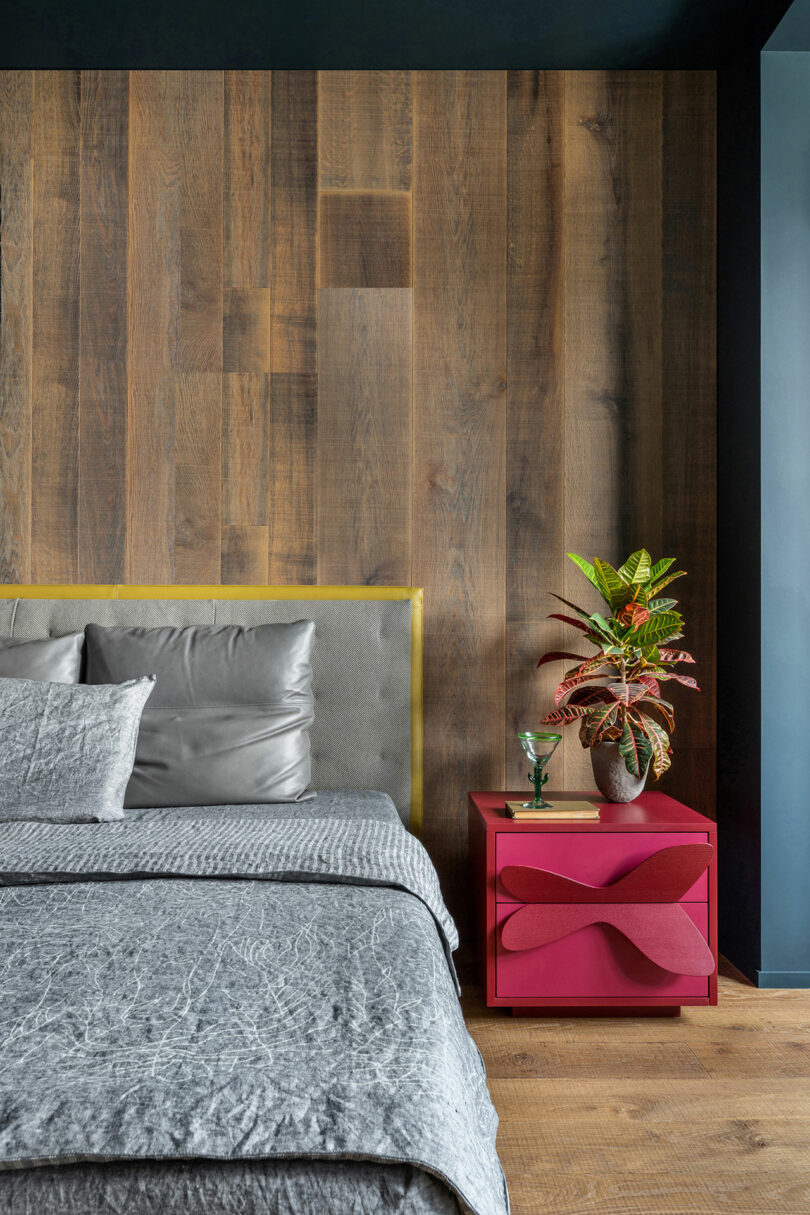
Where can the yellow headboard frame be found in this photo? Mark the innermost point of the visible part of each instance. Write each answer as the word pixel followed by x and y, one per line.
pixel 413 593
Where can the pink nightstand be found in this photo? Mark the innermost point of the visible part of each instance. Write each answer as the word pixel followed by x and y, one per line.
pixel 609 916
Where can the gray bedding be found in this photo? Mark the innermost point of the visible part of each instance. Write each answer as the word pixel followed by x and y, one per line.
pixel 235 1009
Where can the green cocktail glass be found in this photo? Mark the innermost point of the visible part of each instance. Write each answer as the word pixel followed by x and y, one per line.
pixel 539 746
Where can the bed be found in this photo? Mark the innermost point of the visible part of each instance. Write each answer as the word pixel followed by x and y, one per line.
pixel 244 1008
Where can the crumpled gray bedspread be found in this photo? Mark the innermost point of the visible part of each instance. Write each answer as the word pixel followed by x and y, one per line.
pixel 236 985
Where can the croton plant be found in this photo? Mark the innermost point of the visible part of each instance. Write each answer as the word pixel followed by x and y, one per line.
pixel 615 693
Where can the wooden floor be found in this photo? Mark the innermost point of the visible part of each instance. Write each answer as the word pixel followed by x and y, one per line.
pixel 708 1113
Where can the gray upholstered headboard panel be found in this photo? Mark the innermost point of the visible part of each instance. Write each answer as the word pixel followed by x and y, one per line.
pixel 365 662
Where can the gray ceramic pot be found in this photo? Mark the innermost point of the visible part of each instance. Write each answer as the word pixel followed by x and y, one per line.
pixel 613 780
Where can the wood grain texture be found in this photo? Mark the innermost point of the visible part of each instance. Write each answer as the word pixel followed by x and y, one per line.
pixel 535 450
pixel 201 133
pixel 16 337
pixel 709 1112
pixel 152 323
pixel 55 379
pixel 246 184
pixel 365 240
pixel 364 129
pixel 292 480
pixel 364 436
pixel 197 467
pixel 245 555
pixel 689 426
pixel 103 321
pixel 460 439
pixel 294 189
pixel 246 329
pixel 642 325
pixel 160 264
pixel 245 439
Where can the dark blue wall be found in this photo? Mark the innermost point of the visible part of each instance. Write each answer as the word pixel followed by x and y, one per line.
pixel 385 33
pixel 785 814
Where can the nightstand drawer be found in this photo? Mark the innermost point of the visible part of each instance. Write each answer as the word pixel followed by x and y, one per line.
pixel 594 858
pixel 593 962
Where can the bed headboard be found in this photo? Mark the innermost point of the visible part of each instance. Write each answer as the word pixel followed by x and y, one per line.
pixel 367 662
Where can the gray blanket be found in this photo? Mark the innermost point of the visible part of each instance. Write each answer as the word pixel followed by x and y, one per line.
pixel 236 985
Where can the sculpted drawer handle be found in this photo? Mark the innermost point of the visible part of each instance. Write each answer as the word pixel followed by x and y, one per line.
pixel 662 932
pixel 663 877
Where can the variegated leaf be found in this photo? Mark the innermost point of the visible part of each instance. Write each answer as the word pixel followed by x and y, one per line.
pixel 675 656
pixel 577 624
pixel 557 655
pixel 656 606
pixel 597 720
pixel 610 586
pixel 661 567
pixel 658 628
pixel 590 696
pixel 627 693
pixel 603 626
pixel 568 685
pixel 636 568
pixel 659 741
pixel 650 682
pixel 665 709
pixel 686 680
pixel 561 717
pixel 635 748
pixel 659 586
pixel 586 568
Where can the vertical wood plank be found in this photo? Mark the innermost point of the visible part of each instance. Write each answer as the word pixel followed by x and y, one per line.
pixel 103 321
pixel 16 337
pixel 198 424
pixel 294 190
pixel 153 258
pixel 364 128
pixel 246 192
pixel 460 441
pixel 246 329
pixel 55 409
pixel 245 432
pixel 293 328
pixel 244 555
pixel 198 388
pixel 642 254
pixel 364 436
pixel 689 428
pixel 535 461
pixel 200 120
pixel 292 482
pixel 365 240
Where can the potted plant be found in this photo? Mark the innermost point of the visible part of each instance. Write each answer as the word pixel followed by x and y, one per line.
pixel 615 693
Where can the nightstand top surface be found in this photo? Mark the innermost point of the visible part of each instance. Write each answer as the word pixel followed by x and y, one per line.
pixel 649 812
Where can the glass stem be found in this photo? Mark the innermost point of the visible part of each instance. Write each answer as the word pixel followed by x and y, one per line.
pixel 538 779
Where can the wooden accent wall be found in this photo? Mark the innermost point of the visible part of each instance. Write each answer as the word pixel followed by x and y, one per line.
pixel 370 327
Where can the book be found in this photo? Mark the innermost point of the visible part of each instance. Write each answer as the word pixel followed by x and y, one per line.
pixel 561 810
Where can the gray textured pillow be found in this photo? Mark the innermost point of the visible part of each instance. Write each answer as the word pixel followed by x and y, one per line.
pixel 229 719
pixel 66 750
pixel 53 659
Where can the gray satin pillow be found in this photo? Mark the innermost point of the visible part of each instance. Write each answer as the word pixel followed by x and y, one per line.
pixel 229 719
pixel 66 750
pixel 52 659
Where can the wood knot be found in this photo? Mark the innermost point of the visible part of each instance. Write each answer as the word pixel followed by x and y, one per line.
pixel 597 124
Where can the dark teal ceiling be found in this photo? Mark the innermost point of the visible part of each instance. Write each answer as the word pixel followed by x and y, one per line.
pixel 386 33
